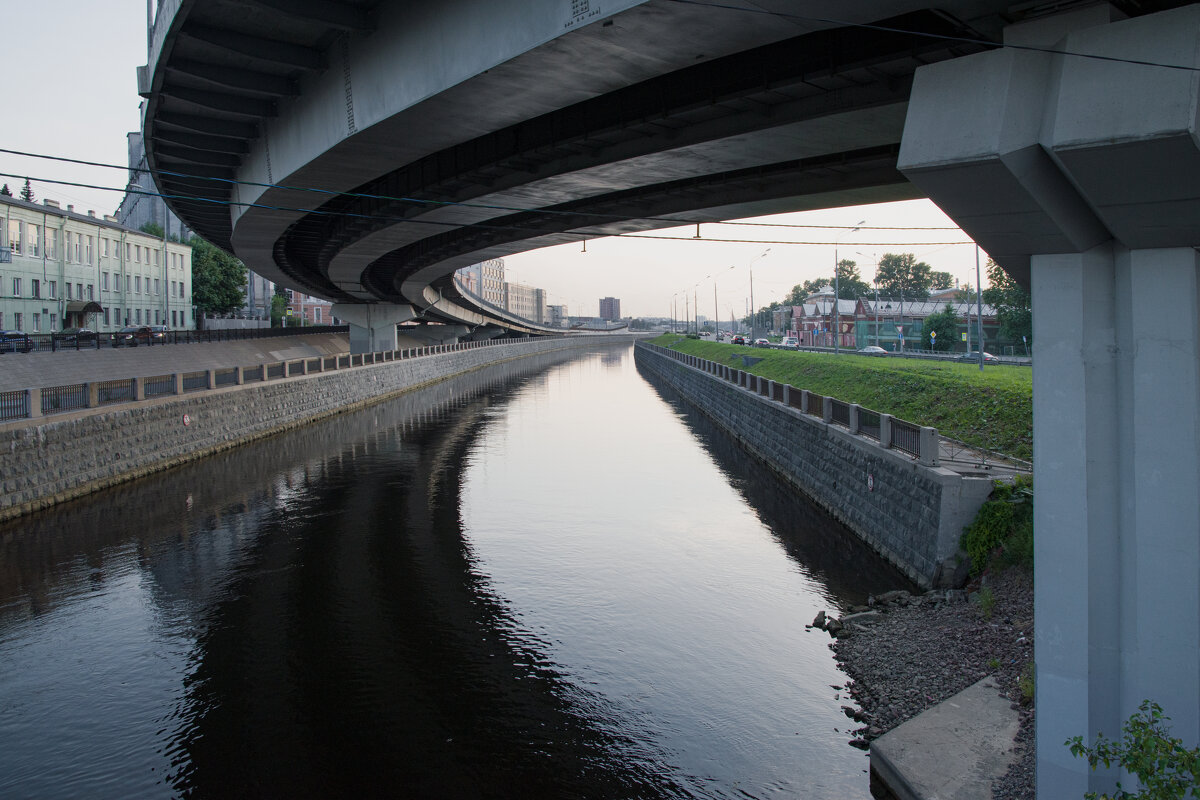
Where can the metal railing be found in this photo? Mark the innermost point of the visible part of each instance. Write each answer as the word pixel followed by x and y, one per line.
pixel 29 403
pixel 54 342
pixel 906 436
pixel 869 423
pixel 841 412
pixel 897 434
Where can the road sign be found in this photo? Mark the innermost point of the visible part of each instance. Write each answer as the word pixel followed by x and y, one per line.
pixel 933 336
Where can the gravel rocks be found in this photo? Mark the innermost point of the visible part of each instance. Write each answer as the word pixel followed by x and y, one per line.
pixel 924 648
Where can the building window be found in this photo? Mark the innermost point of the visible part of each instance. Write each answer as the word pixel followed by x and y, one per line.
pixel 37 322
pixel 172 289
pixel 88 252
pixel 104 281
pixel 14 235
pixel 128 283
pixel 35 287
pixel 51 243
pixel 105 247
pixel 79 290
pixel 91 292
pixel 106 316
pixel 70 296
pixel 317 314
pixel 52 289
pixel 53 322
pixel 157 259
pixel 139 316
pixel 35 240
pixel 16 289
pixel 137 284
pixel 156 285
pixel 20 319
pixel 128 251
pixel 79 248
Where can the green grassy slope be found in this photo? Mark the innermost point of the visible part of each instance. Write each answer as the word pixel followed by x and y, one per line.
pixel 992 409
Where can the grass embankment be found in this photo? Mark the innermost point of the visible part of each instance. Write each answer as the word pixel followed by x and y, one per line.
pixel 992 409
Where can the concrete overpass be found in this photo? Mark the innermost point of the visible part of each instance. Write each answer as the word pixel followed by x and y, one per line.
pixel 362 150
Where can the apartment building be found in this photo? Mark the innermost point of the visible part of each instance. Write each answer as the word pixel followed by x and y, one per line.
pixel 61 269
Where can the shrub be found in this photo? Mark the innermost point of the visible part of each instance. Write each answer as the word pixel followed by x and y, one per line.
pixel 1004 523
pixel 1165 768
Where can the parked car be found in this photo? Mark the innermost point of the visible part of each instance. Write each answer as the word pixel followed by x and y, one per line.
pixel 15 342
pixel 133 335
pixel 973 358
pixel 738 340
pixel 872 350
pixel 790 341
pixel 762 343
pixel 75 336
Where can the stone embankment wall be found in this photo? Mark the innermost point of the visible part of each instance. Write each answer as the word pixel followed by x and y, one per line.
pixel 910 513
pixel 53 459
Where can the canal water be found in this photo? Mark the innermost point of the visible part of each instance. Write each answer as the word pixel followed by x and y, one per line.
pixel 550 580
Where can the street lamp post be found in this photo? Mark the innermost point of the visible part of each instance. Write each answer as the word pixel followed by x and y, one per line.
pixel 753 310
pixel 837 322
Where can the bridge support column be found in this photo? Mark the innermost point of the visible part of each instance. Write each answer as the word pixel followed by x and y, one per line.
pixel 372 325
pixel 1079 176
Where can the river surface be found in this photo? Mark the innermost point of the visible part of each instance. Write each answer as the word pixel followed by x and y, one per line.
pixel 552 580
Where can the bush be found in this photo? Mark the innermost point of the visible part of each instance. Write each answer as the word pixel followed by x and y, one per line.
pixel 1165 768
pixel 1005 524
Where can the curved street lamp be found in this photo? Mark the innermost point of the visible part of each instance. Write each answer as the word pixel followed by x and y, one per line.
pixel 753 310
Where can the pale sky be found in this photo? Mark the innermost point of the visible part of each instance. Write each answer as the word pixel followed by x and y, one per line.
pixel 72 92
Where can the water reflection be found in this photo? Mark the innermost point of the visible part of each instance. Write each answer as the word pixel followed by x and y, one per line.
pixel 482 589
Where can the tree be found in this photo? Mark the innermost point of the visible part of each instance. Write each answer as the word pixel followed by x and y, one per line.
pixel 902 275
pixel 153 228
pixel 941 280
pixel 1014 306
pixel 218 279
pixel 945 324
pixel 7 192
pixel 279 304
pixel 27 192
pixel 850 285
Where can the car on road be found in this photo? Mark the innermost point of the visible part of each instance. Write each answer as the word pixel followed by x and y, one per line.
pixel 69 337
pixel 133 335
pixel 973 358
pixel 738 340
pixel 15 342
pixel 872 350
pixel 790 341
pixel 761 343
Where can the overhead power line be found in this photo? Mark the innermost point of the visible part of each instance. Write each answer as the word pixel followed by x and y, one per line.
pixel 928 35
pixel 578 234
pixel 442 203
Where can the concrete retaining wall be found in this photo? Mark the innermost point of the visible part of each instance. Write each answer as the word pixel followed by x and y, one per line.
pixel 48 461
pixel 911 514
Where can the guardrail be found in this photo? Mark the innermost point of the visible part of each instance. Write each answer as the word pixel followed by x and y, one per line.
pixel 922 443
pixel 53 342
pixel 35 403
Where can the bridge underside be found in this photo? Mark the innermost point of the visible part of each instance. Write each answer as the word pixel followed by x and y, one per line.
pixel 370 148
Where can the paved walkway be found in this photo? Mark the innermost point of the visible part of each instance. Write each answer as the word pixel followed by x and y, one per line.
pixel 39 370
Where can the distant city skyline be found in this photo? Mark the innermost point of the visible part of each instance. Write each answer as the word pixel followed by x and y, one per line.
pixel 90 55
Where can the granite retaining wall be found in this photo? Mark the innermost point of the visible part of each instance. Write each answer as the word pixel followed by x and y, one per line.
pixel 911 513
pixel 53 459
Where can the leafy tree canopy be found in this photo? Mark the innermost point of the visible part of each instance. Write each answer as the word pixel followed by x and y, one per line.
pixel 945 324
pixel 900 274
pixel 218 279
pixel 941 280
pixel 1014 306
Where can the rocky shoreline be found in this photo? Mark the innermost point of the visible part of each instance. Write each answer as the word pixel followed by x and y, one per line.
pixel 905 653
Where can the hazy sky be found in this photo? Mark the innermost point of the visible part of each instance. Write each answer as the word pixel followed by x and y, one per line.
pixel 72 92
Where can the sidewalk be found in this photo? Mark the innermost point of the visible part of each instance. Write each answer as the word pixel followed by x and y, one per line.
pixel 39 370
